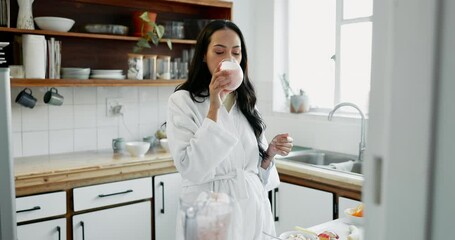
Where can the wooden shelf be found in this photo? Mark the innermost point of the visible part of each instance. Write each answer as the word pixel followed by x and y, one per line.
pixel 88 35
pixel 15 82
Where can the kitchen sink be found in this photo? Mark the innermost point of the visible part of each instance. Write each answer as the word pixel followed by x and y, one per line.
pixel 357 168
pixel 322 158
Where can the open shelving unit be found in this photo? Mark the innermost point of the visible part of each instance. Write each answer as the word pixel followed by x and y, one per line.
pixel 106 51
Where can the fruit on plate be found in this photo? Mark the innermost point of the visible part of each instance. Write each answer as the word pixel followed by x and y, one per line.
pixel 358 211
pixel 328 235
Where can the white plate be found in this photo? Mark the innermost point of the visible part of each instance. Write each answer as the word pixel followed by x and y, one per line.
pixel 76 71
pixel 106 71
pixel 107 76
pixel 75 76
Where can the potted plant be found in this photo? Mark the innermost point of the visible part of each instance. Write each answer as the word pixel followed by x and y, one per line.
pixel 298 103
pixel 149 31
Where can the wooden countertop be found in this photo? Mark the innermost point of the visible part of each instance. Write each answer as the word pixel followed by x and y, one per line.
pixel 47 173
pixel 325 176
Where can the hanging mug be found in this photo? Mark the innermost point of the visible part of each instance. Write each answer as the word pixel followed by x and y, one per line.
pixel 52 97
pixel 26 99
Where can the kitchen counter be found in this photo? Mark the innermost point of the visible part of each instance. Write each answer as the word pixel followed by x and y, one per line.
pixel 343 184
pixel 47 173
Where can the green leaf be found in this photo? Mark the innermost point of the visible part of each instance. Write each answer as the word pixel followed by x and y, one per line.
pixel 145 17
pixel 169 44
pixel 143 43
pixel 155 40
pixel 160 31
pixel 137 49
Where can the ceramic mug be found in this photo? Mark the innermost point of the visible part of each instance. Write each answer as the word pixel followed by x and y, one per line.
pixel 118 145
pixel 26 99
pixel 52 97
pixel 235 72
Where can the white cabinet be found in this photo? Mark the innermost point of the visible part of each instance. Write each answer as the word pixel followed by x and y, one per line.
pixel 119 223
pixel 40 207
pixel 300 206
pixel 130 221
pixel 47 230
pixel 166 190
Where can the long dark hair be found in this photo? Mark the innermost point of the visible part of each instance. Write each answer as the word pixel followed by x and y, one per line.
pixel 199 78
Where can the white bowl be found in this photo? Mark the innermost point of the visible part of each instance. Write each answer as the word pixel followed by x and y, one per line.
pixel 137 149
pixel 57 24
pixel 354 220
pixel 302 235
pixel 164 144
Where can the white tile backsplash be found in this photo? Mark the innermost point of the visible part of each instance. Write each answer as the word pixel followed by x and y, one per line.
pixel 85 139
pixel 16 118
pixel 130 113
pixel 106 92
pixel 61 117
pixel 148 94
pixel 105 136
pixel 130 132
pixel 35 143
pixel 84 96
pixel 80 124
pixel 61 141
pixel 102 120
pixel 85 116
pixel 35 119
pixel 17 144
pixel 129 94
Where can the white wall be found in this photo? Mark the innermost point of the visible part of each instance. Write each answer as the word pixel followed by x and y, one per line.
pixel 256 19
pixel 81 124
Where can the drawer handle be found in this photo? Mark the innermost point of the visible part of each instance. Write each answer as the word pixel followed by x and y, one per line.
pixel 30 209
pixel 59 232
pixel 117 193
pixel 276 217
pixel 83 230
pixel 162 196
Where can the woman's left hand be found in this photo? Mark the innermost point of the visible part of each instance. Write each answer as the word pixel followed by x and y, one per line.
pixel 281 144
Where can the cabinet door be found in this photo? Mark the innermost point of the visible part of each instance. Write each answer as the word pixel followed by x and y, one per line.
pixel 301 206
pixel 166 193
pixel 48 230
pixel 120 223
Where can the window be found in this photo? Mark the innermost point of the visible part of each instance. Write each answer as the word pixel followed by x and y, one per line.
pixel 329 50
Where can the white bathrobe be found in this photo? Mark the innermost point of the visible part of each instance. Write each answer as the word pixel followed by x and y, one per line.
pixel 222 156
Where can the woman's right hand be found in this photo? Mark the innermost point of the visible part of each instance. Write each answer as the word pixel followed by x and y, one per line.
pixel 218 92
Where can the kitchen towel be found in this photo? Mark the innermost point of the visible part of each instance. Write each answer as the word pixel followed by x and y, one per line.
pixel 34 55
pixel 344 166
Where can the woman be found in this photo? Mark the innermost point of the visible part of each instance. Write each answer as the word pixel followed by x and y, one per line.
pixel 216 136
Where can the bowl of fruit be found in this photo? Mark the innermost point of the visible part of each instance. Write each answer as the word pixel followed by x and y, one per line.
pixel 355 215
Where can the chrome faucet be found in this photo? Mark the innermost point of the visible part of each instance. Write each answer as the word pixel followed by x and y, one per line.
pixel 362 126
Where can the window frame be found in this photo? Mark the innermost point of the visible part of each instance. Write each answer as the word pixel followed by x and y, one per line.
pixel 340 21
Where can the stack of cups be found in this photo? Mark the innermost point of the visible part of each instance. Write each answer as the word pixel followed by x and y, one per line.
pixel 149 63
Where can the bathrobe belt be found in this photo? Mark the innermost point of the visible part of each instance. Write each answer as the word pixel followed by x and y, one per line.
pixel 238 184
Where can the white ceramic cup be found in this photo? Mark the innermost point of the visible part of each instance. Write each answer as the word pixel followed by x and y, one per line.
pixel 235 73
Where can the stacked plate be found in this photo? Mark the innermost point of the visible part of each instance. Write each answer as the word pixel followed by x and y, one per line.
pixel 107 74
pixel 75 73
